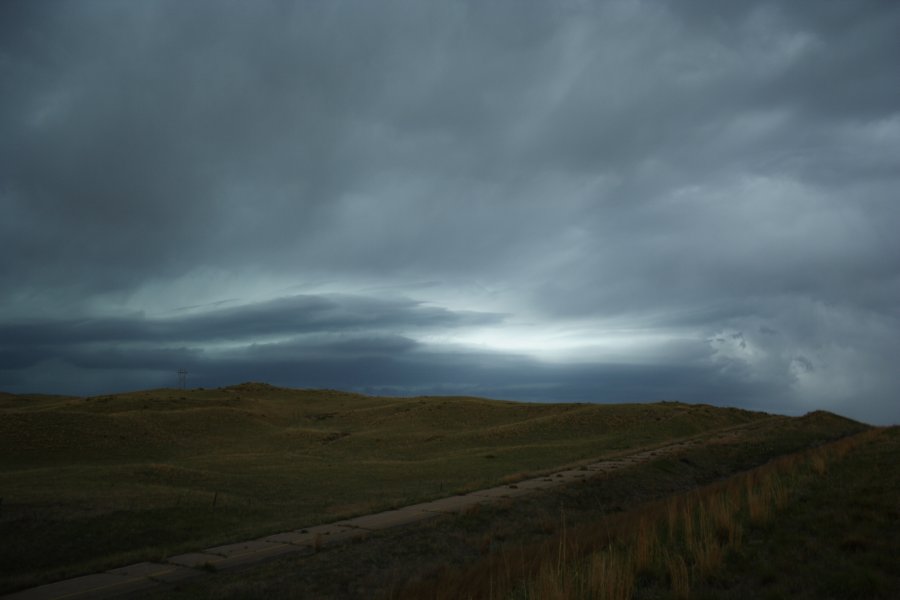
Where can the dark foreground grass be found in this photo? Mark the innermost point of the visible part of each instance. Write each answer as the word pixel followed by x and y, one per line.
pixel 91 483
pixel 838 538
pixel 822 523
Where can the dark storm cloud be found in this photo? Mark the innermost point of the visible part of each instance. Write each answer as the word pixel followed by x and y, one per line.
pixel 293 315
pixel 723 174
pixel 318 329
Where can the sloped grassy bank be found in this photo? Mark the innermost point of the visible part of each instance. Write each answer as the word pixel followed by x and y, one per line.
pixel 786 529
pixel 682 544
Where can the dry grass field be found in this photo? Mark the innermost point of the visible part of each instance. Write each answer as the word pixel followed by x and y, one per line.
pixel 655 530
pixel 88 483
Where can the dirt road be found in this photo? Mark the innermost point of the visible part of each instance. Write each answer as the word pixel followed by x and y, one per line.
pixel 146 576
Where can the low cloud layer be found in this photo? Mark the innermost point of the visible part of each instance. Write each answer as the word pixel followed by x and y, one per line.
pixel 595 201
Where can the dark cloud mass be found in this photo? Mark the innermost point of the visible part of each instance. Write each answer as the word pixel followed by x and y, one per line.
pixel 602 201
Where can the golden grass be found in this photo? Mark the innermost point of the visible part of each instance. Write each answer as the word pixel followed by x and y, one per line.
pixel 678 576
pixel 645 548
pixel 610 576
pixel 818 461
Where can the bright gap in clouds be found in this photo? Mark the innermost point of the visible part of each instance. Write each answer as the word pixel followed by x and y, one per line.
pixel 587 343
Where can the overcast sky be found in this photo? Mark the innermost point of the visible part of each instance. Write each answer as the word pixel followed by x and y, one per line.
pixel 537 200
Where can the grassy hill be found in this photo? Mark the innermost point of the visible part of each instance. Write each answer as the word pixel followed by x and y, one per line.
pixel 93 482
pixel 775 485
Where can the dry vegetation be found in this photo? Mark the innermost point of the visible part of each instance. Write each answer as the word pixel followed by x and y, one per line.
pixel 111 480
pixel 685 539
pixel 472 554
pixel 684 545
pixel 89 483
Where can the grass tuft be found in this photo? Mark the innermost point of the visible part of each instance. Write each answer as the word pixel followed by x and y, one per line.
pixel 678 576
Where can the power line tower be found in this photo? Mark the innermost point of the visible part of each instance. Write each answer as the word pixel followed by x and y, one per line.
pixel 182 378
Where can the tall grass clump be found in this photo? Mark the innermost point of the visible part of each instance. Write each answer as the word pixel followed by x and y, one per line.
pixel 678 576
pixel 611 576
pixel 646 546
